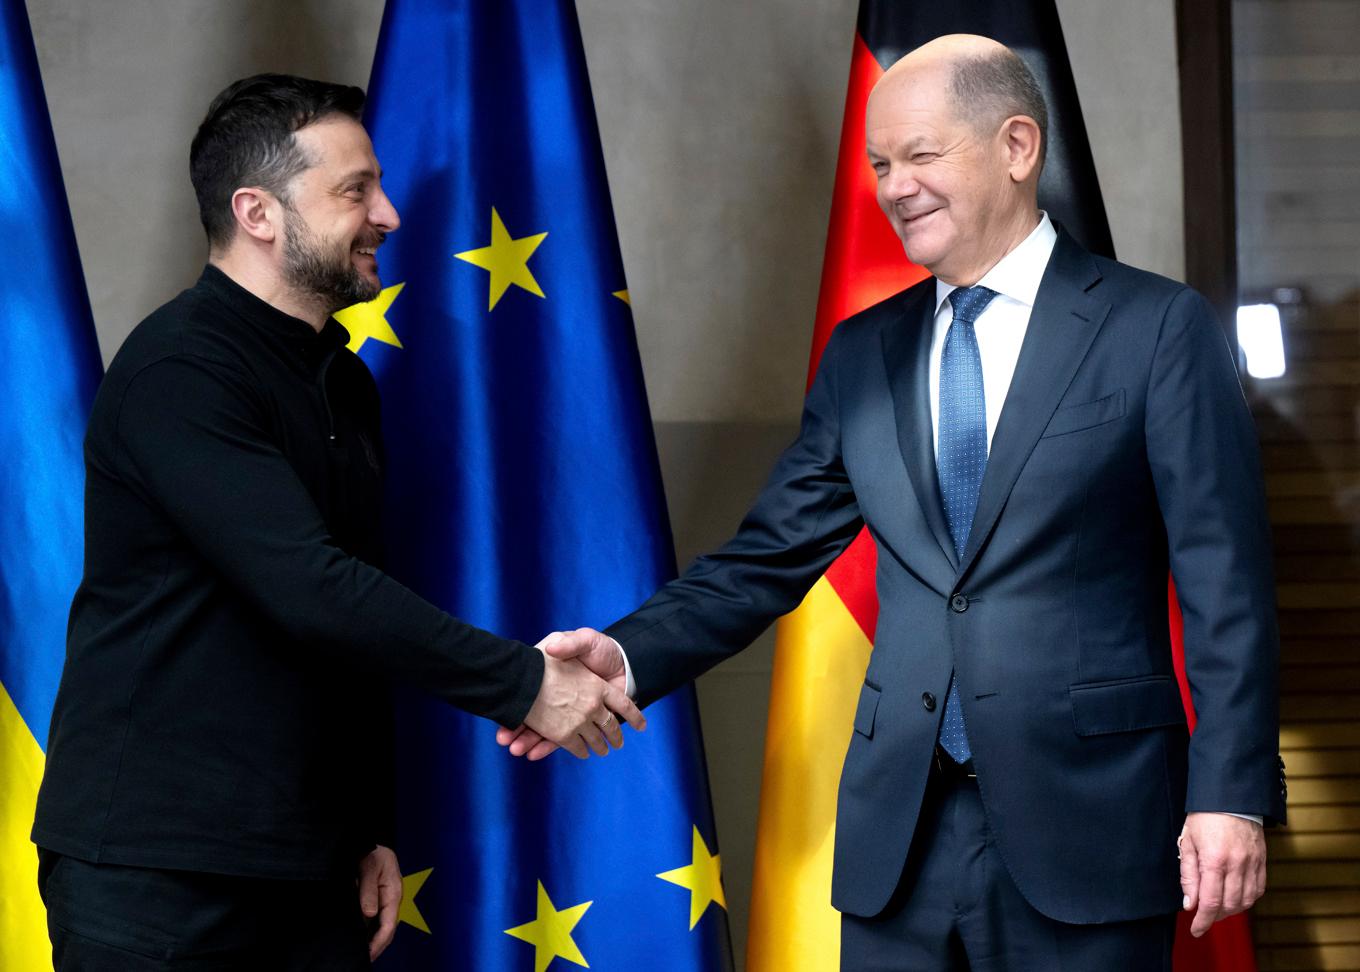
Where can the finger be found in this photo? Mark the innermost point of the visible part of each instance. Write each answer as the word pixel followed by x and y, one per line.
pixel 1210 900
pixel 505 737
pixel 567 645
pixel 577 747
pixel 627 710
pixel 544 748
pixel 368 890
pixel 1189 872
pixel 549 638
pixel 526 741
pixel 594 738
pixel 383 934
pixel 1233 882
pixel 612 729
pixel 1257 870
pixel 391 907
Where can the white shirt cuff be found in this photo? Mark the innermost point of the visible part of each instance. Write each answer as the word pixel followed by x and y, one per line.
pixel 631 687
pixel 1254 818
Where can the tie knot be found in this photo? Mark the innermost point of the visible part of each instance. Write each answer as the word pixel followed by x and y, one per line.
pixel 969 302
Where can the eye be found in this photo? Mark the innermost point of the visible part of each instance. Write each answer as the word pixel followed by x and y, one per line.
pixel 921 158
pixel 880 166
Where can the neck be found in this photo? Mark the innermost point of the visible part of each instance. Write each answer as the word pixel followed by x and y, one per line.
pixel 265 283
pixel 1008 235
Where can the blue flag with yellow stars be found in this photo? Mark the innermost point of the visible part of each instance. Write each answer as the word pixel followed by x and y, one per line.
pixel 524 496
pixel 49 366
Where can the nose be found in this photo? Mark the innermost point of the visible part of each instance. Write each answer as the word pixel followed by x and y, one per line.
pixel 382 214
pixel 899 183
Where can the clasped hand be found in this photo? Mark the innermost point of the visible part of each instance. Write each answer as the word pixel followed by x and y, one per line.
pixel 584 682
pixel 577 704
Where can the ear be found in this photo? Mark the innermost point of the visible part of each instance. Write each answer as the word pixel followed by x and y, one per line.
pixel 1020 142
pixel 257 212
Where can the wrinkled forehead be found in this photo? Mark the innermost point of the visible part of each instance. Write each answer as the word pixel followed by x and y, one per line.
pixel 909 98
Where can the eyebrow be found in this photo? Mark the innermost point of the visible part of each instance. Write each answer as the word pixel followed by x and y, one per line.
pixel 907 148
pixel 364 173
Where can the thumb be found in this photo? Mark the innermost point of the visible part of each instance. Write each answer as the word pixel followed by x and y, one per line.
pixel 1189 871
pixel 565 645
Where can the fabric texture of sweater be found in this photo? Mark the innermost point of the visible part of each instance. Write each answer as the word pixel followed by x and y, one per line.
pixel 224 704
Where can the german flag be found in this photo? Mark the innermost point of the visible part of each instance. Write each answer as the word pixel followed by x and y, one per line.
pixel 822 648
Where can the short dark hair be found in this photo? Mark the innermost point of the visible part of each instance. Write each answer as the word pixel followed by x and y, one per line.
pixel 246 139
pixel 991 87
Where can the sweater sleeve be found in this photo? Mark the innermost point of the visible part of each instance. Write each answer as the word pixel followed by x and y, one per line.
pixel 193 439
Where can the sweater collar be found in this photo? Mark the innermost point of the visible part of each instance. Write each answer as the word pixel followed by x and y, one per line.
pixel 293 332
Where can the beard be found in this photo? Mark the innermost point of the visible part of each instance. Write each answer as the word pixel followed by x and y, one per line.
pixel 317 271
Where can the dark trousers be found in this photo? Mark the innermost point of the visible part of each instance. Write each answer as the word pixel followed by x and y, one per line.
pixel 957 908
pixel 107 918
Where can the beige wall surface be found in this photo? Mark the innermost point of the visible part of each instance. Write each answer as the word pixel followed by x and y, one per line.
pixel 720 122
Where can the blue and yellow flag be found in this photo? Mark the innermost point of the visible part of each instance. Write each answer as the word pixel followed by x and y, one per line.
pixel 49 366
pixel 524 496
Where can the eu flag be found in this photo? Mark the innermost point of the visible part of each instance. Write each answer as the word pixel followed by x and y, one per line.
pixel 49 367
pixel 523 496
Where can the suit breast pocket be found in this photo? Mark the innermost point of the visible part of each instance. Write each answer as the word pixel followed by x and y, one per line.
pixel 1087 415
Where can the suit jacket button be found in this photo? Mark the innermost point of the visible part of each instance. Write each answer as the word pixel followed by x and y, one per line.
pixel 928 701
pixel 958 603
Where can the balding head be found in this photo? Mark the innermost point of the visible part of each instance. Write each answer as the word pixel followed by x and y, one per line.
pixel 955 132
pixel 986 80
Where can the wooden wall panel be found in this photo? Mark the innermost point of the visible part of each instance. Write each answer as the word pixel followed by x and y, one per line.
pixel 1297 100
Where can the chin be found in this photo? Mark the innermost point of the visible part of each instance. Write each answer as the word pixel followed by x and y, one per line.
pixel 922 255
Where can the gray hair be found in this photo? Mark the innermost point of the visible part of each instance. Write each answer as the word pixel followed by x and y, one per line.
pixel 991 87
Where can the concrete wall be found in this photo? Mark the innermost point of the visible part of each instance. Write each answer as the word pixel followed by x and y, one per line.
pixel 720 123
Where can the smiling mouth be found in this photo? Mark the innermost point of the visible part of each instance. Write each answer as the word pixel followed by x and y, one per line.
pixel 908 219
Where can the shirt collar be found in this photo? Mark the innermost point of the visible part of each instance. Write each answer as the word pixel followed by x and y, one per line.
pixel 1018 273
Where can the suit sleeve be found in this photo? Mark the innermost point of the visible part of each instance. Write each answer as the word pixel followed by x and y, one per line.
pixel 805 515
pixel 1206 469
pixel 191 434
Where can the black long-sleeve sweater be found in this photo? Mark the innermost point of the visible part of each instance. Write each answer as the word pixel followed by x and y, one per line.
pixel 223 705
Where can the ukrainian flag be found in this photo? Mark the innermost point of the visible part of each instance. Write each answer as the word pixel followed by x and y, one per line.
pixel 49 366
pixel 524 496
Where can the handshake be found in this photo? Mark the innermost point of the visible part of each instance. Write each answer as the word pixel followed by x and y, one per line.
pixel 581 701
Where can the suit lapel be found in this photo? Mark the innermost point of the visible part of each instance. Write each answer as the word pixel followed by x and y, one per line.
pixel 1065 321
pixel 906 352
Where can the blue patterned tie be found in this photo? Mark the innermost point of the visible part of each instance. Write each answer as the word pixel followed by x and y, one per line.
pixel 961 458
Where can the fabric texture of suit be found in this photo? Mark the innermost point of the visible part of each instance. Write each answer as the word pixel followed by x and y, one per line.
pixel 1124 449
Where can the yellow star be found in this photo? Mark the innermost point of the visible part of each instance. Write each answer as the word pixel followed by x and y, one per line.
pixel 410 887
pixel 506 259
pixel 703 877
pixel 369 320
pixel 550 932
pixel 623 296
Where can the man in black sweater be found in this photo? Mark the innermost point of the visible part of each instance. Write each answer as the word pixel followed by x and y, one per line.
pixel 218 771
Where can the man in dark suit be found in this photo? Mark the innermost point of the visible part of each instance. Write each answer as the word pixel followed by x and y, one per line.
pixel 1034 437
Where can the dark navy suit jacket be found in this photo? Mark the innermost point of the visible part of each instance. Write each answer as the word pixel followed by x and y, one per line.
pixel 1124 449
